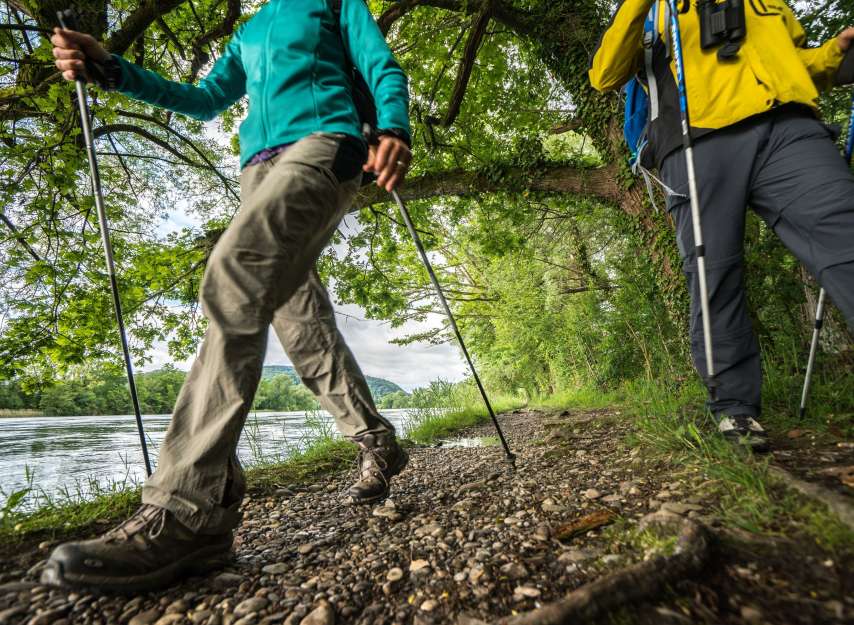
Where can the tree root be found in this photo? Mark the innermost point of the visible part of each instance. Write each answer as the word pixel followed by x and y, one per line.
pixel 834 501
pixel 639 582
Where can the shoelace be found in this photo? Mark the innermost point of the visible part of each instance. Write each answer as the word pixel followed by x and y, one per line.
pixel 146 517
pixel 379 463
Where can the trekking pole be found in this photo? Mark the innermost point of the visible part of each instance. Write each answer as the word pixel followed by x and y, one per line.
pixel 511 457
pixel 822 294
pixel 700 248
pixel 68 21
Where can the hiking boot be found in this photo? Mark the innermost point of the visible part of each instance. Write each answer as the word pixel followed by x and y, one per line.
pixel 745 431
pixel 380 459
pixel 149 550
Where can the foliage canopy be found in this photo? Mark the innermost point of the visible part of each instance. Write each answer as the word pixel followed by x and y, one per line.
pixel 553 260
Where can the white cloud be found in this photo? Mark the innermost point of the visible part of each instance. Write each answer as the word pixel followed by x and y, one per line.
pixel 409 366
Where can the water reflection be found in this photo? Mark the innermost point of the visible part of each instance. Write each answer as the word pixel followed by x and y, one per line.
pixel 68 453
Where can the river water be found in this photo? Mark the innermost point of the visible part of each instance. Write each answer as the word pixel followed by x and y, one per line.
pixel 77 456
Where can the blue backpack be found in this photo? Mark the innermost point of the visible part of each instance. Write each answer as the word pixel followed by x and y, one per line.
pixel 636 120
pixel 641 101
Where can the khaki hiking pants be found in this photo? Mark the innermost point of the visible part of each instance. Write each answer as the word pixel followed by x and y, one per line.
pixel 261 272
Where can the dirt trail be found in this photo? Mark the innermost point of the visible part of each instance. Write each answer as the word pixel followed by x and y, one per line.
pixel 465 540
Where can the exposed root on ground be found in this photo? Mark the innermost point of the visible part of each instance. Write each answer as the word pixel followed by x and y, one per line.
pixel 835 502
pixel 640 582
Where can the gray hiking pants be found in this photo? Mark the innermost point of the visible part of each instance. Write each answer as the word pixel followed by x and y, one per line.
pixel 786 166
pixel 261 272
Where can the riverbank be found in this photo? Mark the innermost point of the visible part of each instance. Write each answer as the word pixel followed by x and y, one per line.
pixel 593 493
pixel 8 413
pixel 63 516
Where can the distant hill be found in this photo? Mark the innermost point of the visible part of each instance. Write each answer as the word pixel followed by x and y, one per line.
pixel 379 386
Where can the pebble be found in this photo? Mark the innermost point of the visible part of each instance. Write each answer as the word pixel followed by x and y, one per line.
pixel 527 591
pixel 395 574
pixel 680 508
pixel 418 565
pixel 169 619
pixel 253 604
pixel 49 617
pixel 576 555
pixel 275 569
pixel 146 618
pixel 177 607
pixel 321 615
pixel 751 614
pixel 592 493
pixel 388 511
pixel 7 615
pixel 226 580
pixel 659 517
pixel 552 508
pixel 514 570
pixel 429 605
pixel 306 549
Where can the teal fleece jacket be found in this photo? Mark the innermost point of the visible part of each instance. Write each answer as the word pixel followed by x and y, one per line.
pixel 289 60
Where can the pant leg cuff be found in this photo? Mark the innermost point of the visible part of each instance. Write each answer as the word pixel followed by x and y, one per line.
pixel 375 431
pixel 216 520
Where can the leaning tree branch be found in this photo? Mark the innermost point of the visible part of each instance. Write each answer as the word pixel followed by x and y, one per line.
pixel 601 183
pixel 568 126
pixel 108 129
pixel 223 29
pixel 394 13
pixel 520 21
pixel 26 28
pixel 19 237
pixel 187 141
pixel 138 22
pixel 480 22
pixel 172 37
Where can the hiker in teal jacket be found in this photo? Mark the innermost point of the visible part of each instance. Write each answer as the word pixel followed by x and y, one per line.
pixel 302 155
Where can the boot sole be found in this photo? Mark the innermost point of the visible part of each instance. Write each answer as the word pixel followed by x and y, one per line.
pixel 199 562
pixel 396 470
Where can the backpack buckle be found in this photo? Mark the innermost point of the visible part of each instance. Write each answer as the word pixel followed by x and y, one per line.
pixel 648 39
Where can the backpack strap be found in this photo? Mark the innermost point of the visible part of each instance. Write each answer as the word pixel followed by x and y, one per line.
pixel 650 38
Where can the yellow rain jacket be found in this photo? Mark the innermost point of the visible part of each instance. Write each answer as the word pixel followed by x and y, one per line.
pixel 773 67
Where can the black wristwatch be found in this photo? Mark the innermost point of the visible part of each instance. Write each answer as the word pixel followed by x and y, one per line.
pixel 397 133
pixel 107 75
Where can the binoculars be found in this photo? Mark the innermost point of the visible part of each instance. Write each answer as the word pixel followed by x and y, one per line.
pixel 722 26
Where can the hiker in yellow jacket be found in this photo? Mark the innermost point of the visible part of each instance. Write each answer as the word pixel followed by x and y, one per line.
pixel 752 100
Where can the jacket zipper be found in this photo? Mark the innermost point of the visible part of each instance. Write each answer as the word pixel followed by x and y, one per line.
pixel 266 56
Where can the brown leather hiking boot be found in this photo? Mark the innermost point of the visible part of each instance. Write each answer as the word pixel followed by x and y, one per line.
pixel 149 550
pixel 380 459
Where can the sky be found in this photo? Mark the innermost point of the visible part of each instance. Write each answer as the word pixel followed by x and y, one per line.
pixel 409 366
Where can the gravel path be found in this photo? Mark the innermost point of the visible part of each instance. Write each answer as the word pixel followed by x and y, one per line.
pixel 462 540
